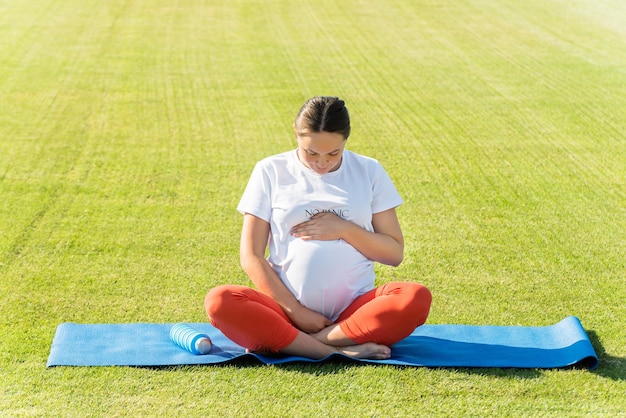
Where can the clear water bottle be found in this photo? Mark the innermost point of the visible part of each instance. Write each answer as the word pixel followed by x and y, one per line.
pixel 190 339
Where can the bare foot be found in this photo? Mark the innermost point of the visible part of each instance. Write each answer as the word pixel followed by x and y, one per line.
pixel 371 351
pixel 306 345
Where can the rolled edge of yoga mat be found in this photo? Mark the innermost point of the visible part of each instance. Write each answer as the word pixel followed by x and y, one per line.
pixel 190 339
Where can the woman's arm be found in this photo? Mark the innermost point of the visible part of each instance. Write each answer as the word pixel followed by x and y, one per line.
pixel 384 245
pixel 253 243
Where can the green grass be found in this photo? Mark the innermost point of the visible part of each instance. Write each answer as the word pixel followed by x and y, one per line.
pixel 129 128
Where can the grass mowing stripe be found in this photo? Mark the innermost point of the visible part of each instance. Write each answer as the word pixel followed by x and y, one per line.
pixel 128 130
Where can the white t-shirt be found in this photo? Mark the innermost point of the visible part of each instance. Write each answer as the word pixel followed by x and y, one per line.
pixel 325 276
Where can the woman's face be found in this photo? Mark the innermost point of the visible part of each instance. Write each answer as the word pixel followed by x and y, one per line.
pixel 321 151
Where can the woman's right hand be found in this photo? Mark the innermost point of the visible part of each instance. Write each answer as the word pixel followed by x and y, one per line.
pixel 307 320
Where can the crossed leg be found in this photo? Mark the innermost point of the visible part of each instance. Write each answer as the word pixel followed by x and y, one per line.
pixel 366 329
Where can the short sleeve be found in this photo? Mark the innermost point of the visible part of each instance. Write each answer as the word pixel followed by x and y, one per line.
pixel 256 198
pixel 385 194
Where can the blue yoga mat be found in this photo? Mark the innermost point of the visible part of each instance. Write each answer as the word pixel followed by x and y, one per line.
pixel 140 344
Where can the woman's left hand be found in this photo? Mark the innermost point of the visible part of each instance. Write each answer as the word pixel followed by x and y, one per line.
pixel 324 226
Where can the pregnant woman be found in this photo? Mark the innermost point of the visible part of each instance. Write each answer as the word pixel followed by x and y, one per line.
pixel 327 214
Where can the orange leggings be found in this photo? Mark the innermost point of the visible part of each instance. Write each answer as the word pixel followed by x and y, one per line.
pixel 384 315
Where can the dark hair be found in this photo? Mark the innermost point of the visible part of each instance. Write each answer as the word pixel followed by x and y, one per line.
pixel 324 114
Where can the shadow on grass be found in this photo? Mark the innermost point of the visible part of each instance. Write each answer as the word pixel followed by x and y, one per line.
pixel 328 367
pixel 335 367
pixel 339 366
pixel 610 366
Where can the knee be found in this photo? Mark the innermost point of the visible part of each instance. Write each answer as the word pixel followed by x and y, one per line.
pixel 422 300
pixel 417 300
pixel 218 300
pixel 423 295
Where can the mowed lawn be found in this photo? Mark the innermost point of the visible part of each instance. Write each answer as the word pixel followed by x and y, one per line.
pixel 128 130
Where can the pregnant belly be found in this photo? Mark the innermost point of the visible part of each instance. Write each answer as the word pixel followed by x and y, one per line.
pixel 326 276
